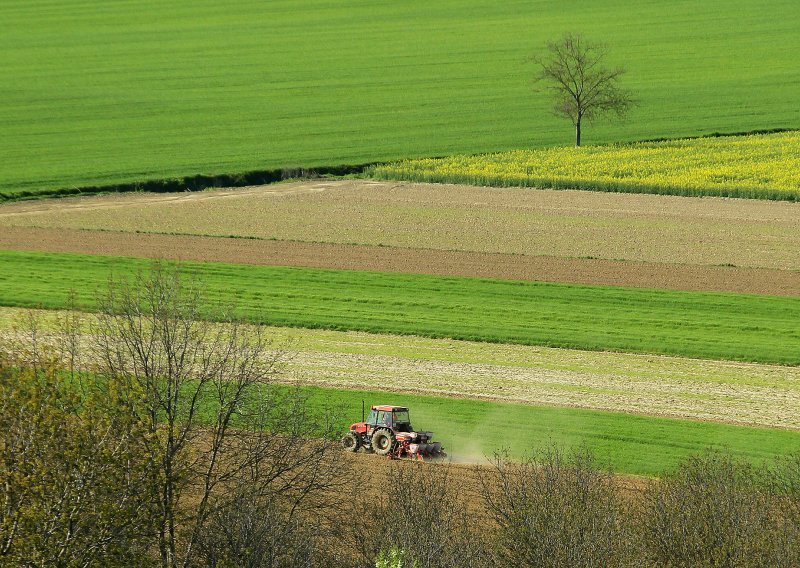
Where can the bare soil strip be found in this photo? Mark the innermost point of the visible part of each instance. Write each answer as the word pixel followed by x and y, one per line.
pixel 467 472
pixel 391 259
pixel 518 221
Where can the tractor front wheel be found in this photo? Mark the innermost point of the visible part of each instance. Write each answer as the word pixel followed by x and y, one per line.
pixel 350 442
pixel 382 442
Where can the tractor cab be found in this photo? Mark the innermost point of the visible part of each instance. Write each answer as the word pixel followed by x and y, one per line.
pixel 393 417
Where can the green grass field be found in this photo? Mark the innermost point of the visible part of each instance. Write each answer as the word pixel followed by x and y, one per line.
pixel 108 92
pixel 693 324
pixel 626 443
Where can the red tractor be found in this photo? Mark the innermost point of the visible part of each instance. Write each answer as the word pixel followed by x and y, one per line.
pixel 387 431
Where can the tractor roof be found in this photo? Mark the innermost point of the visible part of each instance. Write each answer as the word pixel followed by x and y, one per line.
pixel 389 408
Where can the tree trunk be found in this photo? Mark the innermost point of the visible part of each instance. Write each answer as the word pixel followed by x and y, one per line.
pixel 578 133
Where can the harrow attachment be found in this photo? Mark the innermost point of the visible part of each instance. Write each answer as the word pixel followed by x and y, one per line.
pixel 417 445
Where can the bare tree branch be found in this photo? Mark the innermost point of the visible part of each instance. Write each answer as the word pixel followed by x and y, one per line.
pixel 218 421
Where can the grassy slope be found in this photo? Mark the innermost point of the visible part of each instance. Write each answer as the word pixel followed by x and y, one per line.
pixel 624 442
pixel 104 92
pixel 712 325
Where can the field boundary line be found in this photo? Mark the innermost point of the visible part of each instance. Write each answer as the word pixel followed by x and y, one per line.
pixel 200 182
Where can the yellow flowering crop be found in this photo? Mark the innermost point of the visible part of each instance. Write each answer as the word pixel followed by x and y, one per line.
pixel 763 166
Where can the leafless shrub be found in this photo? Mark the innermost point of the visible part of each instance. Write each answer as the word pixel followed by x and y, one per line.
pixel 251 530
pixel 784 488
pixel 418 509
pixel 785 484
pixel 556 510
pixel 715 511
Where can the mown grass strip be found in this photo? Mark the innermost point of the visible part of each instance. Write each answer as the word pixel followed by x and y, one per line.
pixel 758 166
pixel 748 394
pixel 692 324
pixel 626 443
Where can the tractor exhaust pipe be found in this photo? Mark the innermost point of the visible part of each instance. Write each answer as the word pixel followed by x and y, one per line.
pixel 363 411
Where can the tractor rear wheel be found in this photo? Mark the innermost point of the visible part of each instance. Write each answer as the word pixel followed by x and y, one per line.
pixel 382 442
pixel 350 442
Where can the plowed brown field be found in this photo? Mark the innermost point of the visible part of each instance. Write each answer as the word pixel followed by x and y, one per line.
pixel 515 266
pixel 466 473
pixel 519 221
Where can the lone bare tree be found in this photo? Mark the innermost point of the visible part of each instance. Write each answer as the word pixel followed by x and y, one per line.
pixel 582 87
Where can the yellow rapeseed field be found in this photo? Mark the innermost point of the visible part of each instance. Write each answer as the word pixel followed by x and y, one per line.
pixel 765 166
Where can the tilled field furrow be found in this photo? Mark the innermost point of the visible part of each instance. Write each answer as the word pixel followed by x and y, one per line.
pixel 525 222
pixel 407 260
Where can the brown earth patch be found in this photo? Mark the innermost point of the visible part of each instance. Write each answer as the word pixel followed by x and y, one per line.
pixel 408 260
pixel 516 221
pixel 466 474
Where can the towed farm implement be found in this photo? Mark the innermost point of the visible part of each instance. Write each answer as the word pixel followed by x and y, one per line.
pixel 387 431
